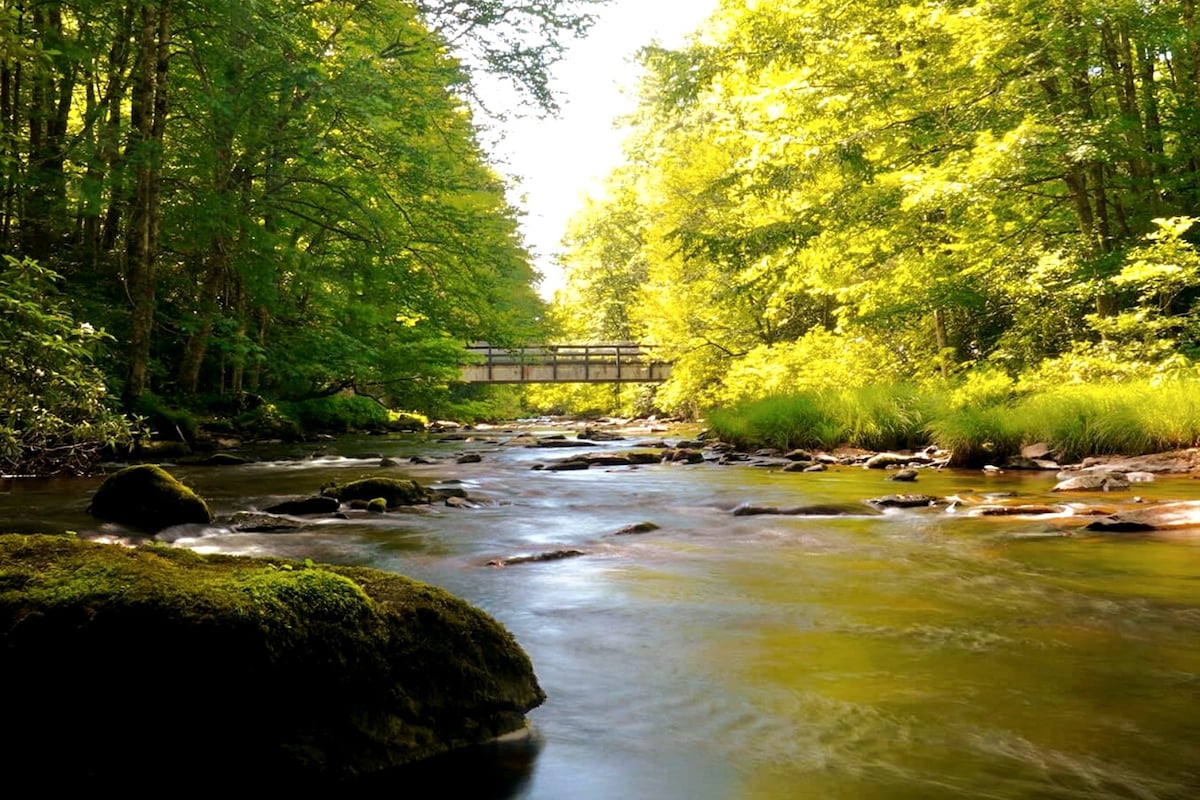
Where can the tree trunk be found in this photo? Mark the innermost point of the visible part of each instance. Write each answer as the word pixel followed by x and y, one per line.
pixel 943 343
pixel 51 92
pixel 148 109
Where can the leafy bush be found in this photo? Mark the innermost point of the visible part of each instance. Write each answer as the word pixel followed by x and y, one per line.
pixel 163 420
pixel 339 412
pixel 818 361
pixel 55 417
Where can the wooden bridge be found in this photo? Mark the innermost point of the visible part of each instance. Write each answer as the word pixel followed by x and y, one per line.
pixel 622 362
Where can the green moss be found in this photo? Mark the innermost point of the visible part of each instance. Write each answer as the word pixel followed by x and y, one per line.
pixel 394 491
pixel 378 505
pixel 148 497
pixel 277 668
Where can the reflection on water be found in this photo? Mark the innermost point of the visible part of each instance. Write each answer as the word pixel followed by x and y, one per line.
pixel 917 654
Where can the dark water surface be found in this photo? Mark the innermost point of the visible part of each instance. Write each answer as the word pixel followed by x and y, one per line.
pixel 915 654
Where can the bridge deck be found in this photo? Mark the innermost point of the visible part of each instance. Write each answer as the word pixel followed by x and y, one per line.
pixel 566 363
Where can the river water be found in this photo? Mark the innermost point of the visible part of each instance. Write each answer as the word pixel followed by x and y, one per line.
pixel 913 654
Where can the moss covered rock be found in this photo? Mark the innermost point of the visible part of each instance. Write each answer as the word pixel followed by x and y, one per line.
pixel 137 665
pixel 394 491
pixel 147 497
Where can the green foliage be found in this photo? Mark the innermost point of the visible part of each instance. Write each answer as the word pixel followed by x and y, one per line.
pixel 942 185
pixel 591 400
pixel 478 403
pixel 54 416
pixel 340 412
pixel 164 420
pixel 818 361
pixel 317 213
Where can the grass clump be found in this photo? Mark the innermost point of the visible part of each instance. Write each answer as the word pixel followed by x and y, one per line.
pixel 1128 418
pixel 983 418
pixel 874 417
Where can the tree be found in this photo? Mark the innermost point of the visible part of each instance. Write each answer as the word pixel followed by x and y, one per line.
pixel 276 196
pixel 960 181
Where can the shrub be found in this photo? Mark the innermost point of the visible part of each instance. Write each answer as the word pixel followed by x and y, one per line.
pixel 56 419
pixel 342 413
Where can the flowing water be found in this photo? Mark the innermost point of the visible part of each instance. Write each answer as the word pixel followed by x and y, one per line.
pixel 913 654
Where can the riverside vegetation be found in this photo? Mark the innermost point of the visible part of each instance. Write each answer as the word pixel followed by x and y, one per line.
pixel 985 202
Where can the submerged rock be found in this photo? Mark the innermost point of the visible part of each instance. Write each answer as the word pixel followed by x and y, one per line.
pixel 305 505
pixel 599 435
pixel 230 669
pixel 149 498
pixel 221 460
pixel 903 501
pixel 813 510
pixel 551 555
pixel 903 475
pixel 260 522
pixel 1031 510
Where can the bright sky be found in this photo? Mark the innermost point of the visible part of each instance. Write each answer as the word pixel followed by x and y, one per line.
pixel 557 161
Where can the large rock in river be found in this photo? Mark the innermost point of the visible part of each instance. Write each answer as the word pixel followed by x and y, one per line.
pixel 1164 516
pixel 148 497
pixel 146 667
pixel 396 491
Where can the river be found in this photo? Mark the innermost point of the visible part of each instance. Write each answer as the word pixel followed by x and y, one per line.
pixel 914 654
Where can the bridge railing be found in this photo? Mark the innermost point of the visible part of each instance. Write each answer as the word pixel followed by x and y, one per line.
pixel 619 362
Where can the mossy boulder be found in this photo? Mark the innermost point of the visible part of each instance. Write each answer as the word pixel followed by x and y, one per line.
pixel 394 491
pixel 147 497
pixel 134 666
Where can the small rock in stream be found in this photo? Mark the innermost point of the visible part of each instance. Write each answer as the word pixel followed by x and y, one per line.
pixel 638 527
pixel 1093 482
pixel 551 555
pixel 305 506
pixel 904 475
pixel 260 522
pixel 903 501
pixel 814 510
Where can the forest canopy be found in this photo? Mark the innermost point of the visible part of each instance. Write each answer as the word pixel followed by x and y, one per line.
pixel 823 193
pixel 271 196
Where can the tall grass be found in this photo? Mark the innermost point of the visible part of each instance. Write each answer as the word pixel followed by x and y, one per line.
pixel 875 417
pixel 976 436
pixel 1075 420
pixel 784 422
pixel 1127 418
